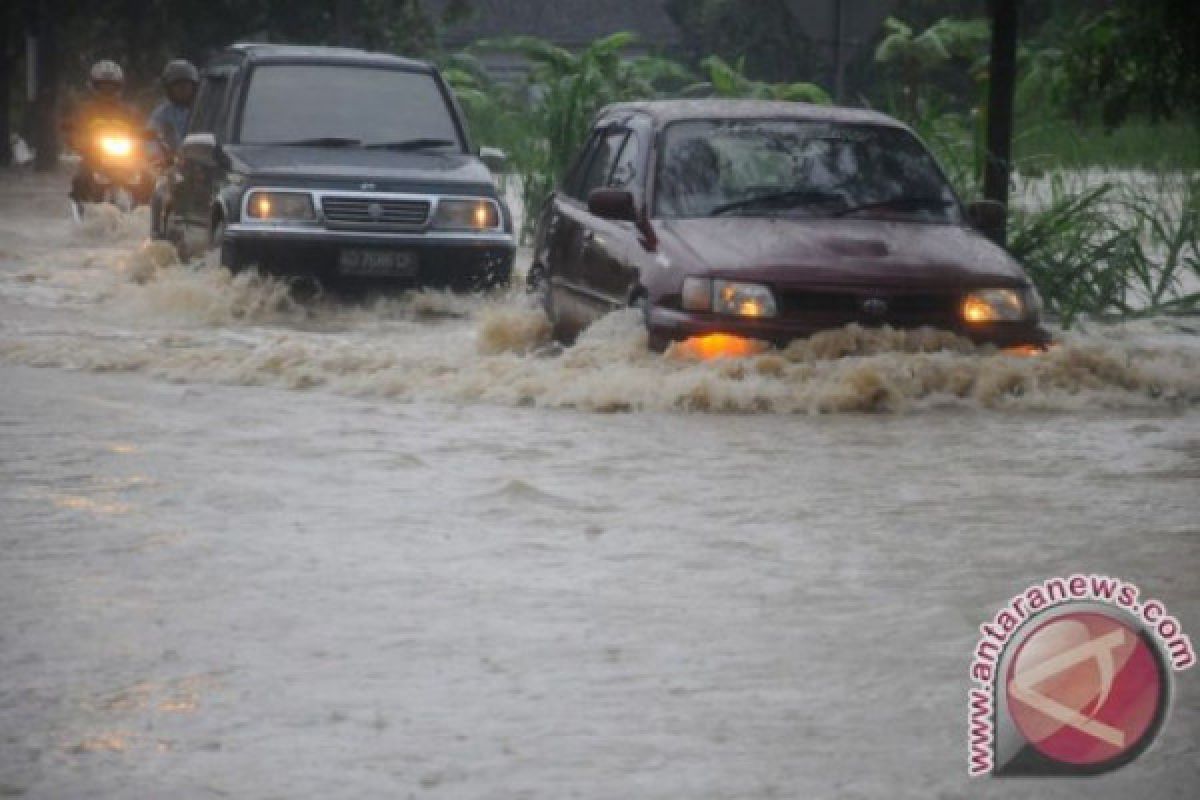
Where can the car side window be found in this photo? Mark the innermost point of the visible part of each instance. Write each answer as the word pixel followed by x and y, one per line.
pixel 625 170
pixel 603 160
pixel 570 184
pixel 209 102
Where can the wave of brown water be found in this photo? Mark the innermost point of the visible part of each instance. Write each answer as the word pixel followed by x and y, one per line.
pixel 144 312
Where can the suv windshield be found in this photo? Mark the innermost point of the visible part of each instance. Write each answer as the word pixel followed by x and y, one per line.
pixel 322 104
pixel 793 167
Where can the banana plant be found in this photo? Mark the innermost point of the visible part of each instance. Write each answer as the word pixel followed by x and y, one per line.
pixel 911 55
pixel 563 92
pixel 729 80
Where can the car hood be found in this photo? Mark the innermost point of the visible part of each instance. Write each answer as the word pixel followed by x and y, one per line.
pixel 388 170
pixel 837 251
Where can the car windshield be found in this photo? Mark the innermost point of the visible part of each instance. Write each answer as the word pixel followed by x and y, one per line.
pixel 345 106
pixel 781 167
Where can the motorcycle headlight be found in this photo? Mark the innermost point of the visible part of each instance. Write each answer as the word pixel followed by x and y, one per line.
pixel 728 297
pixel 280 207
pixel 116 145
pixel 1001 305
pixel 467 214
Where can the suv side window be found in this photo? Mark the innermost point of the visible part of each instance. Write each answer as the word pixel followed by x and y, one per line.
pixel 608 145
pixel 210 101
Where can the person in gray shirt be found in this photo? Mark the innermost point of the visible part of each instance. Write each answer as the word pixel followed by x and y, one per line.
pixel 169 123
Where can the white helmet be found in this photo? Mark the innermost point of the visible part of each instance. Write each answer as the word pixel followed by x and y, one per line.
pixel 106 72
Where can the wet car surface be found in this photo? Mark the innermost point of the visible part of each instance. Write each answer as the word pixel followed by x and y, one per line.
pixel 768 222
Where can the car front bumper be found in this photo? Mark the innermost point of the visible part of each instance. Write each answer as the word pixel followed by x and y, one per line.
pixel 666 325
pixel 444 260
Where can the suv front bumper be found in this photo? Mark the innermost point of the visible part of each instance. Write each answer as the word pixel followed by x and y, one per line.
pixel 444 260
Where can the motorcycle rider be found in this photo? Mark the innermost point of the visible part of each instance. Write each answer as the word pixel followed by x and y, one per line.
pixel 106 81
pixel 169 123
pixel 169 120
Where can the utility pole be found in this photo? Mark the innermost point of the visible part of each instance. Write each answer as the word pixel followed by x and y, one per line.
pixel 8 20
pixel 1002 76
pixel 343 13
pixel 45 102
pixel 839 50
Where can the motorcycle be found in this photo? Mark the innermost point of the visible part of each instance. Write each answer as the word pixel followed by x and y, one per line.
pixel 114 167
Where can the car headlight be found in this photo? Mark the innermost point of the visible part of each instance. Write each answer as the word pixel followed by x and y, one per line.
pixel 467 214
pixel 728 297
pixel 280 206
pixel 1001 305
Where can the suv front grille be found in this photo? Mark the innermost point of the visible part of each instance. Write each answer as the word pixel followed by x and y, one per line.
pixel 375 214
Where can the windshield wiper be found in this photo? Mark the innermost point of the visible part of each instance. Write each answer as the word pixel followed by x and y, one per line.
pixel 409 144
pixel 323 141
pixel 904 202
pixel 788 199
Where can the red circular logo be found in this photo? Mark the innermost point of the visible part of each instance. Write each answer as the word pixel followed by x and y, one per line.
pixel 1085 688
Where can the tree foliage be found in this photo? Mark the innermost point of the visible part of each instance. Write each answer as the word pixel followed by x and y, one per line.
pixel 729 80
pixel 544 123
pixel 1139 56
pixel 769 43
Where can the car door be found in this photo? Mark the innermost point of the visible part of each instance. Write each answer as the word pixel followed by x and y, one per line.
pixel 609 255
pixel 579 226
pixel 196 177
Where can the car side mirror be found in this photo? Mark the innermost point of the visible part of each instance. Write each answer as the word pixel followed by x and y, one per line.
pixel 204 149
pixel 495 158
pixel 614 204
pixel 987 215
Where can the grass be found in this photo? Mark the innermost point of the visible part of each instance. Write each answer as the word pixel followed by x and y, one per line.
pixel 1116 249
pixel 1136 144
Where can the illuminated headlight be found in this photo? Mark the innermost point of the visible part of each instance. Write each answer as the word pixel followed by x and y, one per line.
pixel 467 214
pixel 728 297
pixel 116 145
pixel 1001 305
pixel 280 206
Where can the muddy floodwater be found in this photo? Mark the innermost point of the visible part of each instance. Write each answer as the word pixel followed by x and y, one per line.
pixel 259 546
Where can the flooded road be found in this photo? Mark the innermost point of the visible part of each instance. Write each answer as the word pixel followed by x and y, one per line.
pixel 256 547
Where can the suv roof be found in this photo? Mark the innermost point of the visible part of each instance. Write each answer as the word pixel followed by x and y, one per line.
pixel 262 52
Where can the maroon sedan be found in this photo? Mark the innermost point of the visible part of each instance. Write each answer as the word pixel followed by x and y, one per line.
pixel 731 222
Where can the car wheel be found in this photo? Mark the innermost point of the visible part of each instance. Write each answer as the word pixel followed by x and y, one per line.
pixel 173 233
pixel 222 252
pixel 538 284
pixel 654 341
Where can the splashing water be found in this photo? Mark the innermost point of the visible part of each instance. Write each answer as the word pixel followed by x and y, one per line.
pixel 144 311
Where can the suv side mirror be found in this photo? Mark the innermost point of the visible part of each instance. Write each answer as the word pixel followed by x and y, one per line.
pixel 615 204
pixel 987 215
pixel 495 158
pixel 202 148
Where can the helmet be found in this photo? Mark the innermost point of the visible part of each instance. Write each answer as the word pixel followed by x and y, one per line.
pixel 109 72
pixel 179 70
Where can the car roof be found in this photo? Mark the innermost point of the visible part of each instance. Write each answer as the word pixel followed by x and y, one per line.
pixel 261 52
pixel 663 112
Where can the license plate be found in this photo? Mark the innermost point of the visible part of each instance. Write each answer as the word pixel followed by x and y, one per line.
pixel 378 263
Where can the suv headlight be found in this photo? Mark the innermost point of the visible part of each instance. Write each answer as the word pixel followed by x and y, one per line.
pixel 280 207
pixel 1001 305
pixel 467 214
pixel 728 297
